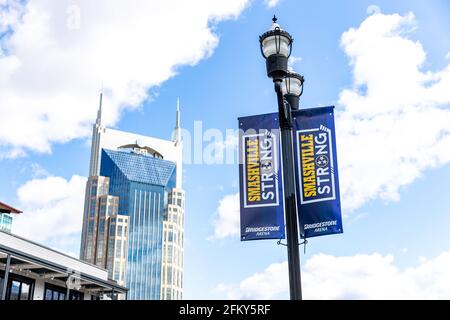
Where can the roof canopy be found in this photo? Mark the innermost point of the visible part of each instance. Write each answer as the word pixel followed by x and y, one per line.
pixel 139 168
pixel 4 208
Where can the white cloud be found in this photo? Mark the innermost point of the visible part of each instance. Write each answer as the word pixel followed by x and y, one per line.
pixel 373 9
pixel 354 277
pixel 270 284
pixel 392 125
pixel 293 60
pixel 37 171
pixel 9 15
pixel 52 211
pixel 226 222
pixel 271 3
pixel 58 54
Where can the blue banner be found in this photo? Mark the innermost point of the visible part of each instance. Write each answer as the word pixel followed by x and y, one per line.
pixel 261 187
pixel 318 199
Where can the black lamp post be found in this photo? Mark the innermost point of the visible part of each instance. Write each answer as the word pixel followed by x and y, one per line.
pixel 276 47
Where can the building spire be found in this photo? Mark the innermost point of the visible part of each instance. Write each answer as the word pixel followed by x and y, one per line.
pixel 96 137
pixel 99 112
pixel 177 132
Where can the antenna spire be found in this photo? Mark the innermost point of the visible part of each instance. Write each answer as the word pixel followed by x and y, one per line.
pixel 99 112
pixel 177 132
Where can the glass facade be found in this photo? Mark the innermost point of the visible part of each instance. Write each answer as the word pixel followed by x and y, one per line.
pixel 5 222
pixel 141 182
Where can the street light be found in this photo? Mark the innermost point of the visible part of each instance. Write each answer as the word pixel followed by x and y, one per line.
pixel 276 47
pixel 292 88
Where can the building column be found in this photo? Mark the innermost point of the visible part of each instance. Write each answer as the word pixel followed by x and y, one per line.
pixel 5 280
pixel 68 287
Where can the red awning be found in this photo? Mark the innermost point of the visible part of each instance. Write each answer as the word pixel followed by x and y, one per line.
pixel 8 209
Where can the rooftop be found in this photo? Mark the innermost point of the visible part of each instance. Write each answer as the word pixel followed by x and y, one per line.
pixel 142 168
pixel 4 208
pixel 42 262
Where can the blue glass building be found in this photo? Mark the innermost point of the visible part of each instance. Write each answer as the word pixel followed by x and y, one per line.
pixel 142 183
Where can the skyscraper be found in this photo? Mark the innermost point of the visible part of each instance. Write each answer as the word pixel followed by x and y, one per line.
pixel 136 181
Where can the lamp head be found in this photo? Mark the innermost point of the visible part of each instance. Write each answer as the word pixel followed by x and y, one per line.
pixel 292 88
pixel 276 47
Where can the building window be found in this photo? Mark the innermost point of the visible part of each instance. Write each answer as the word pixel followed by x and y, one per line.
pixel 118 248
pixel 112 230
pixel 53 292
pixel 54 295
pixel 169 253
pixel 76 295
pixel 93 191
pixel 15 291
pixel 88 252
pixel 5 222
pixel 19 288
pixel 100 249
pixel 92 209
pixel 119 231
pixel 101 226
pixel 91 227
pixel 111 248
pixel 169 275
pixel 25 291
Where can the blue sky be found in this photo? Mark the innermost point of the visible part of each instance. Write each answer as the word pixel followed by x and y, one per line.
pixel 399 223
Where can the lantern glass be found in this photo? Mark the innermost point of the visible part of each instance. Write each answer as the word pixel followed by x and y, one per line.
pixel 292 85
pixel 276 44
pixel 276 41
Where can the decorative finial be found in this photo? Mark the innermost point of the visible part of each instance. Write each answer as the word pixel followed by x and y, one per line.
pixel 274 19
